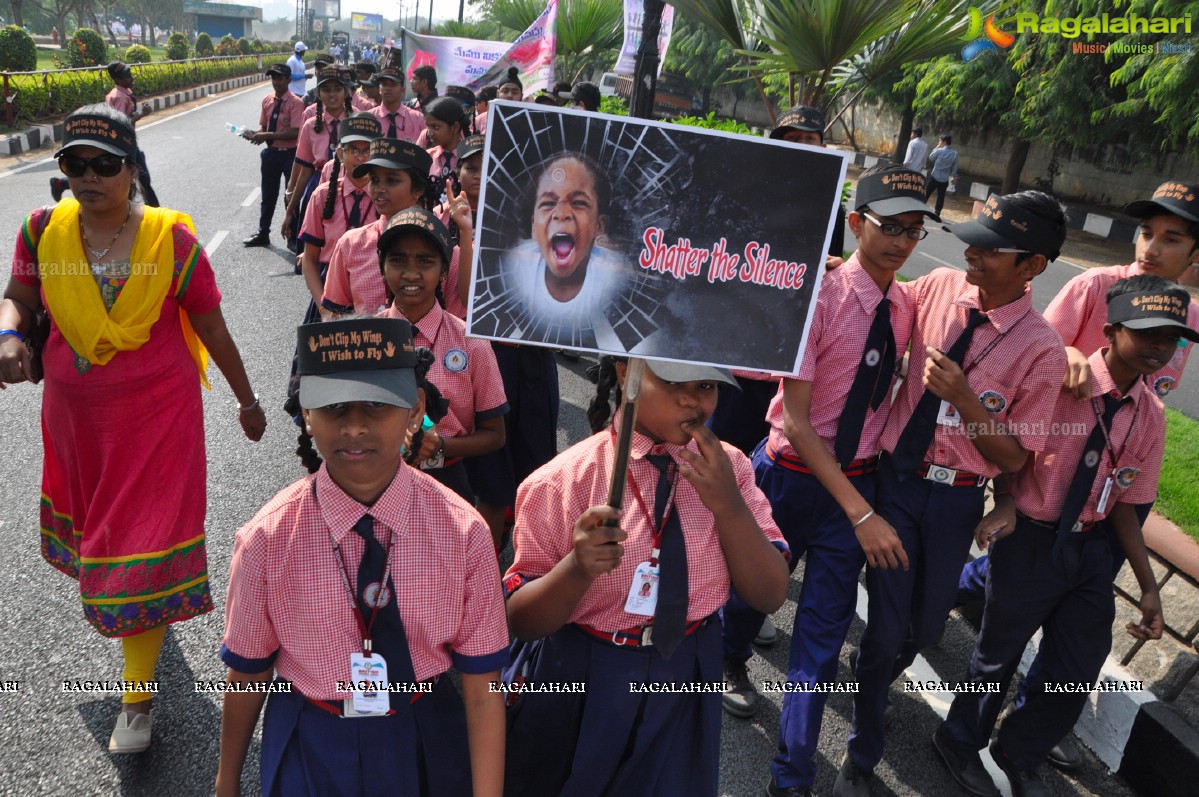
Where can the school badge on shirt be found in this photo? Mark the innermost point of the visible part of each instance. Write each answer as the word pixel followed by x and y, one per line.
pixel 1163 385
pixel 993 401
pixel 456 361
pixel 1126 476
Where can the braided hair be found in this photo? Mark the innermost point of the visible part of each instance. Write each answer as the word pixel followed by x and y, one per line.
pixel 603 375
pixel 436 407
pixel 331 199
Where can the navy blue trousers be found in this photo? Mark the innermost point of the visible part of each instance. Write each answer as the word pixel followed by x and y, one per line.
pixel 740 415
pixel 816 528
pixel 276 167
pixel 1071 599
pixel 908 608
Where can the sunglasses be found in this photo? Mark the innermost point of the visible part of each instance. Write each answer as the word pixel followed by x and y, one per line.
pixel 102 165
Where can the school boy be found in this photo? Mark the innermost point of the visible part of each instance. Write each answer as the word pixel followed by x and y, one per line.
pixel 1051 566
pixel 313 598
pixel 1167 245
pixel 817 465
pixel 121 97
pixel 983 375
pixel 278 128
pixel 398 120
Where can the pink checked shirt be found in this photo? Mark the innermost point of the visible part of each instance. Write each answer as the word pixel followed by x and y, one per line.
pixel 325 233
pixel 550 501
pixel 313 149
pixel 836 342
pixel 435 153
pixel 287 601
pixel 1015 365
pixel 409 123
pixel 1138 437
pixel 465 371
pixel 291 113
pixel 361 102
pixel 1079 311
pixel 121 99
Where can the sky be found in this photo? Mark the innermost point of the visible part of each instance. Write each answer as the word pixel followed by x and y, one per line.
pixel 390 9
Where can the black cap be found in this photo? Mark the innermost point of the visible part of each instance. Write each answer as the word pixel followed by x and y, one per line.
pixel 462 94
pixel 1003 225
pixel 361 126
pixel 365 66
pixel 1152 310
pixel 394 74
pixel 417 220
pixel 545 98
pixel 360 359
pixel 395 153
pixel 471 145
pixel 801 117
pixel 102 132
pixel 586 93
pixel 1180 199
pixel 328 74
pixel 281 70
pixel 119 69
pixel 893 192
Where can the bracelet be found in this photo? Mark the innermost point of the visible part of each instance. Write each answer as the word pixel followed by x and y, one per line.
pixel 14 333
pixel 864 518
pixel 440 446
pixel 252 405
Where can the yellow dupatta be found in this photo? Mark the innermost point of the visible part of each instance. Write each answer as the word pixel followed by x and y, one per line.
pixel 74 302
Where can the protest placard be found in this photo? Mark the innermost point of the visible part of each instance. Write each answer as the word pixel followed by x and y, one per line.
pixel 630 236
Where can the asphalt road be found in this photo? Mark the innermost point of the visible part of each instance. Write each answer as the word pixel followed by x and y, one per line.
pixel 54 743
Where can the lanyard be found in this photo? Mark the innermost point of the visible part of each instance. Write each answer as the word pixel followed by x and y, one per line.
pixel 364 626
pixel 656 543
pixel 1107 440
pixel 999 336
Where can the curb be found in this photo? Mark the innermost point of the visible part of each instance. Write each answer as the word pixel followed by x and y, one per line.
pixel 1122 229
pixel 1162 753
pixel 44 135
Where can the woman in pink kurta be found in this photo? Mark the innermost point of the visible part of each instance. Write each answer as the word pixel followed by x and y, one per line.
pixel 131 329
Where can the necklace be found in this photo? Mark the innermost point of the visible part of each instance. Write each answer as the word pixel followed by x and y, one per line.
pixel 99 254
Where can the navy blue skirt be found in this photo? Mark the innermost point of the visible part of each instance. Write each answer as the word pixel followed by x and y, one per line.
pixel 309 752
pixel 614 740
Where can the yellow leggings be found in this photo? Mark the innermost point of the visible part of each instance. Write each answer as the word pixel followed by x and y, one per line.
pixel 141 656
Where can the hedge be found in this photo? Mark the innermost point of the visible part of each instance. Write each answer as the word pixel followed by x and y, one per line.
pixel 17 50
pixel 138 54
pixel 86 48
pixel 177 48
pixel 44 95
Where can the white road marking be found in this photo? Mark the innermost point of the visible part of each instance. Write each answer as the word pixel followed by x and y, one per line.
pixel 215 243
pixel 252 198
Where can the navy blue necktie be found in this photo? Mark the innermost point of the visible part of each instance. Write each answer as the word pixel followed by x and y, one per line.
pixel 670 617
pixel 332 138
pixel 355 217
pixel 387 633
pixel 391 124
pixel 274 120
pixel 918 434
pixel 1084 475
pixel 870 385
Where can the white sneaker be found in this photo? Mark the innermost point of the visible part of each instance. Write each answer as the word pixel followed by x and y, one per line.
pixel 131 733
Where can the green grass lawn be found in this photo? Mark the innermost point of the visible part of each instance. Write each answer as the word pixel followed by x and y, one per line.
pixel 1177 493
pixel 45 56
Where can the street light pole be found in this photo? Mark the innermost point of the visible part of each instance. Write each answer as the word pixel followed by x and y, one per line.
pixel 645 69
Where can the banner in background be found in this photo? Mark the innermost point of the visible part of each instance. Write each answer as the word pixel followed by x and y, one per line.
pixel 634 10
pixel 372 22
pixel 458 61
pixel 649 239
pixel 532 54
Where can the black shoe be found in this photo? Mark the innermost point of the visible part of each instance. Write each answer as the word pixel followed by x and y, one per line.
pixel 1065 755
pixel 767 634
pixel 852 780
pixel 57 186
pixel 1025 782
pixel 775 790
pixel 258 239
pixel 740 698
pixel 965 765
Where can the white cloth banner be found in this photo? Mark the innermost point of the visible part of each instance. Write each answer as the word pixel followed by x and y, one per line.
pixel 634 11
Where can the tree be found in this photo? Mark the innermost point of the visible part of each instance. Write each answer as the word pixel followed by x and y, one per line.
pixel 588 30
pixel 702 56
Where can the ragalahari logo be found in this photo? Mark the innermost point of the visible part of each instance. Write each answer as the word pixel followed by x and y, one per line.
pixel 984 37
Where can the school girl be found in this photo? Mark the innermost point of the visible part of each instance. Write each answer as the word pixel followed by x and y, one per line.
pixel 983 361
pixel 339 205
pixel 693 523
pixel 317 145
pixel 447 124
pixel 414 254
pixel 313 602
pixel 1051 566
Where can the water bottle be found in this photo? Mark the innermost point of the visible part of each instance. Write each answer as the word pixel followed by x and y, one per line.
pixel 237 130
